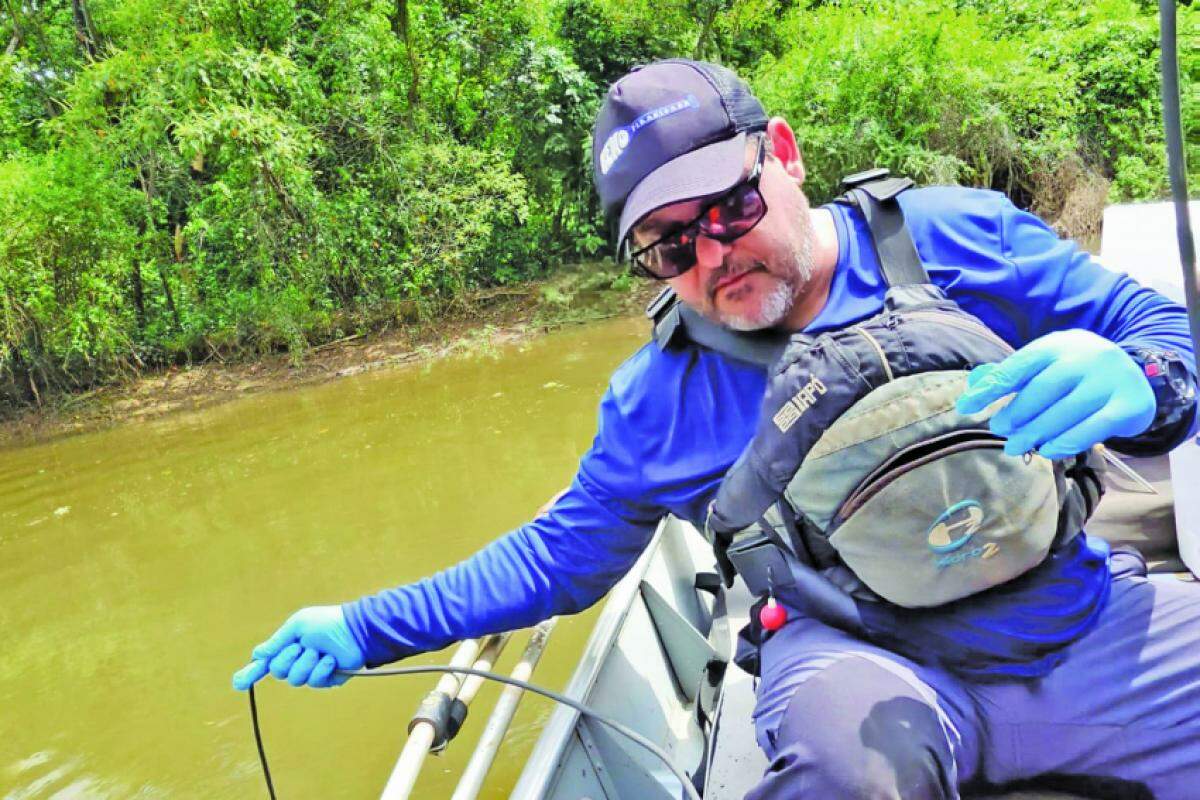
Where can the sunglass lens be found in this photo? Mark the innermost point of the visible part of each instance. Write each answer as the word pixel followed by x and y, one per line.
pixel 676 256
pixel 746 208
pixel 667 260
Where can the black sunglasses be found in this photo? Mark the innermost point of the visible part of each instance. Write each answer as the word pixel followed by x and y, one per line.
pixel 728 217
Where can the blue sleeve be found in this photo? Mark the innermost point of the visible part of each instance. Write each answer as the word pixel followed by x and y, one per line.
pixel 1064 287
pixel 559 563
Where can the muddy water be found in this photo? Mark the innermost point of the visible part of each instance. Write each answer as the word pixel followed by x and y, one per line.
pixel 139 565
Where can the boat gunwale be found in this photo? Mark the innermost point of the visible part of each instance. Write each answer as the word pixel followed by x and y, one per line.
pixel 547 758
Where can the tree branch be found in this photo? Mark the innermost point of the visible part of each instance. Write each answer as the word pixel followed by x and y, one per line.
pixel 84 32
pixel 400 27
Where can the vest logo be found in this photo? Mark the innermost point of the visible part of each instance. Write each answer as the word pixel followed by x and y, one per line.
pixel 801 402
pixel 618 141
pixel 953 529
pixel 983 552
pixel 955 526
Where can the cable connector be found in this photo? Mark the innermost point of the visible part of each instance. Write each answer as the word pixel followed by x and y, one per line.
pixel 444 714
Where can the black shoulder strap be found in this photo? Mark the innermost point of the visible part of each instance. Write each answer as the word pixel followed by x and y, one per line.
pixel 676 324
pixel 874 193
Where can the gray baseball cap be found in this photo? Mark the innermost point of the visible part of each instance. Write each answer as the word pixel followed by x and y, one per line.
pixel 670 131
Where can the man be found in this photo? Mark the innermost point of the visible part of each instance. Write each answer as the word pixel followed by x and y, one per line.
pixel 707 194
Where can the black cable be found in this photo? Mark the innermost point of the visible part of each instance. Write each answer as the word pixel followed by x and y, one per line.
pixel 620 728
pixel 262 754
pixel 1176 165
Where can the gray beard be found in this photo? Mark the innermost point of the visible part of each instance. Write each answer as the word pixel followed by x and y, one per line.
pixel 774 308
pixel 778 304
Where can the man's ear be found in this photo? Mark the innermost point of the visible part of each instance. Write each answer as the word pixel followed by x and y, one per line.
pixel 784 147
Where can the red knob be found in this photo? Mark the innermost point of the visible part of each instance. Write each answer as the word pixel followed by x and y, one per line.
pixel 772 615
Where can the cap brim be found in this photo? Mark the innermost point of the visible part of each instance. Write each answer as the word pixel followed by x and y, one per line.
pixel 711 169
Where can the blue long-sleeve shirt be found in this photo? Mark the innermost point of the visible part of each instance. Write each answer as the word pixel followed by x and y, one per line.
pixel 672 422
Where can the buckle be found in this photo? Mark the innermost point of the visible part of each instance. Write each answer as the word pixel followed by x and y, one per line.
pixel 866 176
pixel 660 303
pixel 761 563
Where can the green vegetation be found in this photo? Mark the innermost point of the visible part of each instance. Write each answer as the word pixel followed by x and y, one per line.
pixel 184 177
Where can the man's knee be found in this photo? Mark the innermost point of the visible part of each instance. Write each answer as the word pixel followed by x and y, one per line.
pixel 858 730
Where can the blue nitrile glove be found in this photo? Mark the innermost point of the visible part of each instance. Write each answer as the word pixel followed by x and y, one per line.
pixel 306 650
pixel 1073 390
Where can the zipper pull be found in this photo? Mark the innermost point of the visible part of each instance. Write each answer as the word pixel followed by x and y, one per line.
pixel 772 616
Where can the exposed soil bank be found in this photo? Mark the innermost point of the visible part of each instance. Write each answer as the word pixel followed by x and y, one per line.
pixel 475 322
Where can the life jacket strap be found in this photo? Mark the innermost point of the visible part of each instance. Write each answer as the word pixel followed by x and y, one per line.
pixel 874 194
pixel 676 325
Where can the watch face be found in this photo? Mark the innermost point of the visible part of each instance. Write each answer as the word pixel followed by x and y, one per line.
pixel 1172 382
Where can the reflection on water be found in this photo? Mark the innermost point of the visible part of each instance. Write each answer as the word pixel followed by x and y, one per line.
pixel 139 565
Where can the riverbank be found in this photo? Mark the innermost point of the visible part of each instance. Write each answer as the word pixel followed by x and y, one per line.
pixel 471 323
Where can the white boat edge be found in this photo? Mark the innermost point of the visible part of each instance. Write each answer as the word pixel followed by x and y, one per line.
pixel 627 660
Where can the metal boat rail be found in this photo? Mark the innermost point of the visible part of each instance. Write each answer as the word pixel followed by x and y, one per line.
pixel 444 709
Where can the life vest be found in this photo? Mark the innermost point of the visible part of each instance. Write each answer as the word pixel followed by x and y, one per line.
pixel 863 483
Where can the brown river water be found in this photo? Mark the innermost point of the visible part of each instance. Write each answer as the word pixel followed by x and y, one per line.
pixel 139 566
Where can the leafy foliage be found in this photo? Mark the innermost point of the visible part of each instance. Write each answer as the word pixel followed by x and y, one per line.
pixel 64 265
pixel 181 177
pixel 918 87
pixel 1106 53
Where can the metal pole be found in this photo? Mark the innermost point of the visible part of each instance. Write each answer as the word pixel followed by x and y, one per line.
pixel 486 660
pixel 1177 168
pixel 421 737
pixel 477 768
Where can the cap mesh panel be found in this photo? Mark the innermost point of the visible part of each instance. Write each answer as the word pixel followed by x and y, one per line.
pixel 745 112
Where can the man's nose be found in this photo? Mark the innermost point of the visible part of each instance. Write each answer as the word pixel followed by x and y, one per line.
pixel 710 253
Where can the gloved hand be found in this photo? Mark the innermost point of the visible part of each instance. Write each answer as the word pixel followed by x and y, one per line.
pixel 305 650
pixel 1073 390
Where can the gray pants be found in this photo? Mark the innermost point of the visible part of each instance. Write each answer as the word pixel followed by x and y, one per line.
pixel 839 718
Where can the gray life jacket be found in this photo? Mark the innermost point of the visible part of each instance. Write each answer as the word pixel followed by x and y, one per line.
pixel 863 481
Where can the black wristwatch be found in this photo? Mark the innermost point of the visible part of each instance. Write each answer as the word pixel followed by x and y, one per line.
pixel 1173 383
